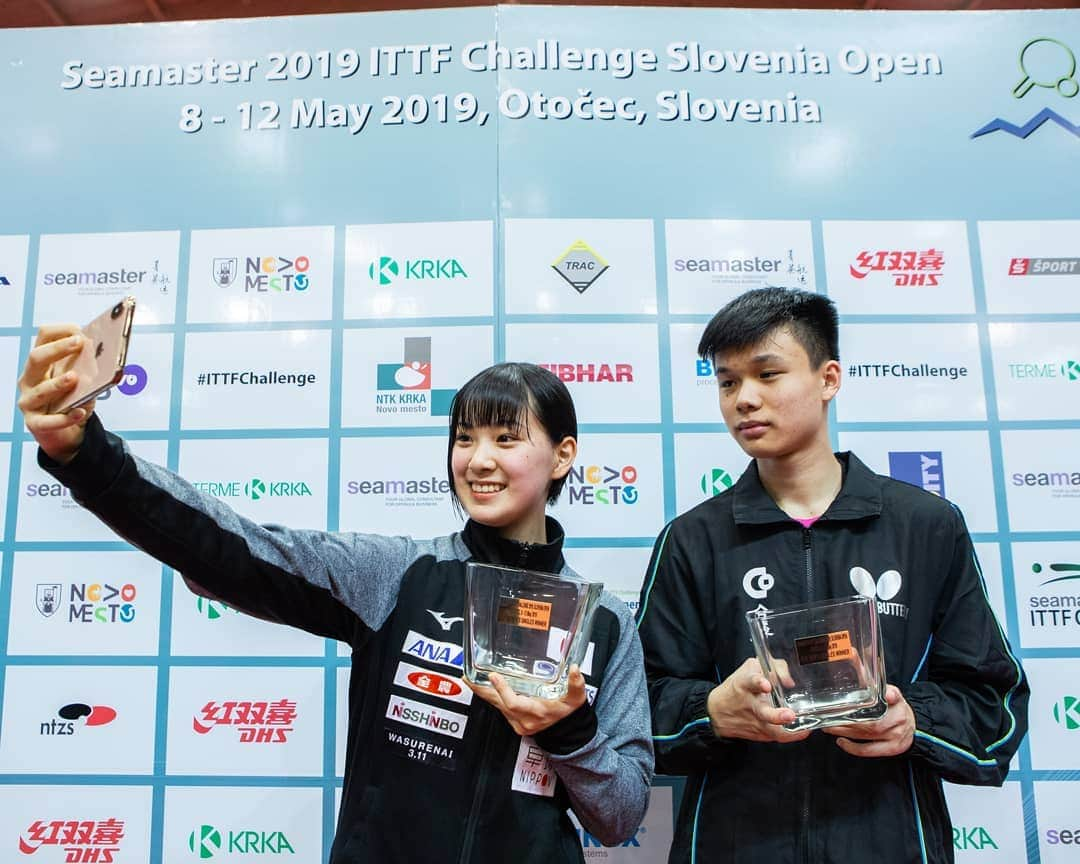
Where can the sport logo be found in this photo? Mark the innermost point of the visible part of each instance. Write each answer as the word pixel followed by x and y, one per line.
pixel 256 722
pixel 757 582
pixel 444 620
pixel 715 481
pixel 882 589
pixel 386 270
pixel 84 841
pixel 922 468
pixel 580 266
pixel 76 716
pixel 603 484
pixel 423 716
pixel 405 387
pixel 1047 64
pixel 906 268
pixel 1044 266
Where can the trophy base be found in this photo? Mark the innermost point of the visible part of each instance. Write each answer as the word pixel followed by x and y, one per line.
pixel 859 706
pixel 523 684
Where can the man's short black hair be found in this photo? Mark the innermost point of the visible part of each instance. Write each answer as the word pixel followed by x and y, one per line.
pixel 751 317
pixel 503 395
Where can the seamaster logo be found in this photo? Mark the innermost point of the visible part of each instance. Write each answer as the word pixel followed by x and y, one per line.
pixel 882 589
pixel 757 582
pixel 444 620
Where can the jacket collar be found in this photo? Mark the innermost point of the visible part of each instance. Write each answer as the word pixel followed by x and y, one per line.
pixel 487 545
pixel 859 498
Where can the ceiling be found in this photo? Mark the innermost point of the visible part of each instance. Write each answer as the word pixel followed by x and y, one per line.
pixel 61 13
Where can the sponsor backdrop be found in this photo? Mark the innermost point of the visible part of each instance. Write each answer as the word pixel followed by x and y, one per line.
pixel 331 222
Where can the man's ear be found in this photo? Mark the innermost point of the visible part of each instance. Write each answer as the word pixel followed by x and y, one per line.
pixel 565 453
pixel 831 373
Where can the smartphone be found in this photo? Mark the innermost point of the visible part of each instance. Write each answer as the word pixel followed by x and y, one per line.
pixel 100 364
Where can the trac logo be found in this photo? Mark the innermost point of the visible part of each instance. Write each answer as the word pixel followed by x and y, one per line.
pixel 77 716
pixel 715 481
pixel 882 589
pixel 85 841
pixel 1067 371
pixel 90 603
pixel 265 273
pixel 906 268
pixel 1044 266
pixel 212 610
pixel 1050 609
pixel 976 838
pixel 1067 712
pixel 405 387
pixel 1048 64
pixel 603 484
pixel 922 468
pixel 386 270
pixel 206 841
pixel 580 265
pixel 256 722
pixel 592 373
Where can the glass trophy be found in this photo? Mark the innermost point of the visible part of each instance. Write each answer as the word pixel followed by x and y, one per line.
pixel 529 627
pixel 823 660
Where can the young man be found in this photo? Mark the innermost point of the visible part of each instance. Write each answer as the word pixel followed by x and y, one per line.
pixel 805 524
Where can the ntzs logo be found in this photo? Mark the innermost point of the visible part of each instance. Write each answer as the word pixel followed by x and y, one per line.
pixel 1046 64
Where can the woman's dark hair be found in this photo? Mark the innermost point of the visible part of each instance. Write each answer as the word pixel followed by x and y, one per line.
pixel 503 395
pixel 751 317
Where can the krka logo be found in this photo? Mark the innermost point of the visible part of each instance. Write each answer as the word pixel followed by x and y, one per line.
pixel 386 270
pixel 206 841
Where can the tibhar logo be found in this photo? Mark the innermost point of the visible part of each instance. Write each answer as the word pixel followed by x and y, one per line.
pixel 580 266
pixel 84 841
pixel 257 722
pixel 906 268
pixel 405 387
pixel 386 270
pixel 882 589
pixel 76 716
pixel 1044 266
pixel 206 841
pixel 715 481
pixel 757 582
pixel 592 373
pixel 1048 64
pixel 977 838
pixel 1067 712
pixel 444 620
pixel 922 468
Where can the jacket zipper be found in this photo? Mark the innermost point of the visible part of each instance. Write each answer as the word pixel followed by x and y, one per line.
pixel 478 795
pixel 804 814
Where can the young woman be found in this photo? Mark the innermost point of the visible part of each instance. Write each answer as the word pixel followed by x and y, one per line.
pixel 434 772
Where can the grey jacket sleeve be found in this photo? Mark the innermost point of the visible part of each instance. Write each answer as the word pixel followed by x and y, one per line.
pixel 608 778
pixel 328 584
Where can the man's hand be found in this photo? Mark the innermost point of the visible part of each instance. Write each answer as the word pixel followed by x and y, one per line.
pixel 528 715
pixel 740 707
pixel 59 435
pixel 889 736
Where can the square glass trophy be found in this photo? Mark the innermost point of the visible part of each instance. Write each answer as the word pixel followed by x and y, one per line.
pixel 527 626
pixel 823 660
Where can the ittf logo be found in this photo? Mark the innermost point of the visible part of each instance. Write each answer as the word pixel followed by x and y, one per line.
pixel 716 481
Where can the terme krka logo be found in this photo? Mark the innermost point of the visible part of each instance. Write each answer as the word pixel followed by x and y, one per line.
pixel 405 387
pixel 1045 64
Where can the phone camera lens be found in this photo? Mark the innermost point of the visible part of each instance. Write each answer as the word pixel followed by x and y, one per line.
pixel 117 310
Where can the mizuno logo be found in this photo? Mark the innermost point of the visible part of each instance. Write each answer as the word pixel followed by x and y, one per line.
pixel 443 620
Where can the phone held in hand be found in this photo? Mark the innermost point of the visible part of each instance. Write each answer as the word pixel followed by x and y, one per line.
pixel 100 364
